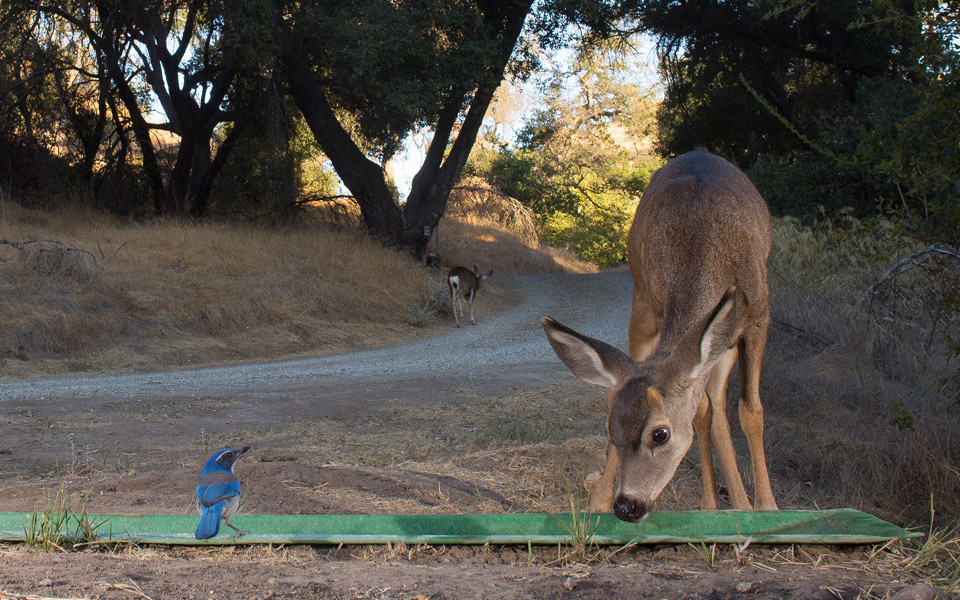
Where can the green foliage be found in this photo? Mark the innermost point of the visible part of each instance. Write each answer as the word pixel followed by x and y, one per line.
pixel 580 162
pixel 907 137
pixel 390 66
pixel 584 203
pixel 596 232
pixel 806 184
pixel 875 158
pixel 853 104
pixel 276 161
pixel 902 417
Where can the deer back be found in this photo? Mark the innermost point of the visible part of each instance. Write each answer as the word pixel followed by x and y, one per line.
pixel 467 280
pixel 700 228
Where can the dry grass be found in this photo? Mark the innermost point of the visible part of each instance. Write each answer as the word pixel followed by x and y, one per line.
pixel 108 295
pixel 860 390
pixel 84 292
pixel 495 232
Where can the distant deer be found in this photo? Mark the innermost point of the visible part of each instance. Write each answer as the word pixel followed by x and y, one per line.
pixel 464 284
pixel 697 249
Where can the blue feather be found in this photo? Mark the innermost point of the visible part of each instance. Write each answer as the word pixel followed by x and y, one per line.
pixel 217 492
pixel 209 524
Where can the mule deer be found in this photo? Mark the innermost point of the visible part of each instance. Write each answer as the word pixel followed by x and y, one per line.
pixel 464 283
pixel 697 250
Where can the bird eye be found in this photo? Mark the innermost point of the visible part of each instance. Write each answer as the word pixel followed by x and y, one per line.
pixel 661 435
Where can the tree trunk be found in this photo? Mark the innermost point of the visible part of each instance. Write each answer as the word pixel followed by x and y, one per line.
pixel 432 184
pixel 410 228
pixel 141 129
pixel 361 175
pixel 207 177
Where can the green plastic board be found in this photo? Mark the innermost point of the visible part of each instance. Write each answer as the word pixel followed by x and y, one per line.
pixel 839 526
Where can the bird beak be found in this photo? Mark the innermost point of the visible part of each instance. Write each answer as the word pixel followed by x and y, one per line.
pixel 241 451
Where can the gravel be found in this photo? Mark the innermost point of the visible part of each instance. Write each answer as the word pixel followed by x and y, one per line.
pixel 503 351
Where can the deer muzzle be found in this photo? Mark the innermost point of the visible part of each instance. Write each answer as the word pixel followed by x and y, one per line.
pixel 630 510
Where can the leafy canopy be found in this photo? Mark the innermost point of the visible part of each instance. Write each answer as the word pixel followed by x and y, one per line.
pixel 583 159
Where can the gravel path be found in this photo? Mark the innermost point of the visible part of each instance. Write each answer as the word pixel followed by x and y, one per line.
pixel 503 351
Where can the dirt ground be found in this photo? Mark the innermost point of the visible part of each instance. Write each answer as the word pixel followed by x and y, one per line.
pixel 358 572
pixel 478 419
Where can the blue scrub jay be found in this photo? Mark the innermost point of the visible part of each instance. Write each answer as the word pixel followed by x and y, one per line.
pixel 218 494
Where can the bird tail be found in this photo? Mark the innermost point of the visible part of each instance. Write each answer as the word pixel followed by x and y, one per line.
pixel 209 524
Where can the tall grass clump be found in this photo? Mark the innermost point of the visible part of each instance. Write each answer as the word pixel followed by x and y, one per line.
pixel 63 524
pixel 860 383
pixel 581 526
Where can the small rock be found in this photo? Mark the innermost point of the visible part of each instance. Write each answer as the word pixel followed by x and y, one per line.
pixel 45 582
pixel 917 592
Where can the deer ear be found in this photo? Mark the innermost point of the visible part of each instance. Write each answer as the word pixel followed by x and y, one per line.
pixel 719 334
pixel 589 359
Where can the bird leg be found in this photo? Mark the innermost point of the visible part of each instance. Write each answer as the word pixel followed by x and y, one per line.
pixel 233 527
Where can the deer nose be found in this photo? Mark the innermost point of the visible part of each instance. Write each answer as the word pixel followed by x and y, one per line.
pixel 628 510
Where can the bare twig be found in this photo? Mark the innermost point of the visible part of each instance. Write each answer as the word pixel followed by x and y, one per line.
pixel 131 588
pixel 18 245
pixel 486 203
pixel 897 268
pixel 339 210
pixel 4 595
pixel 315 198
pixel 810 336
pixel 51 257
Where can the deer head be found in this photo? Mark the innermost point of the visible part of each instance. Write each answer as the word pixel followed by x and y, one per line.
pixel 651 403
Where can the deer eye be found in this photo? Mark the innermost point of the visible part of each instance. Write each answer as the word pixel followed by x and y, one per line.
pixel 660 435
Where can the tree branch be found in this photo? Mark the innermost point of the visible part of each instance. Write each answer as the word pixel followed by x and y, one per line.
pixel 897 267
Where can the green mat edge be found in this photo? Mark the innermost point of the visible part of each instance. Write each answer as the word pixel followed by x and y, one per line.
pixel 835 526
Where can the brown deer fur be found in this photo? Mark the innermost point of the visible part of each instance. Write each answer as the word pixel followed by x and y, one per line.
pixel 464 283
pixel 697 250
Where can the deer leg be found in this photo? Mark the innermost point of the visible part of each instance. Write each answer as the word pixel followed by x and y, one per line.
pixel 751 412
pixel 720 428
pixel 701 423
pixel 644 327
pixel 470 302
pixel 601 495
pixel 456 303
